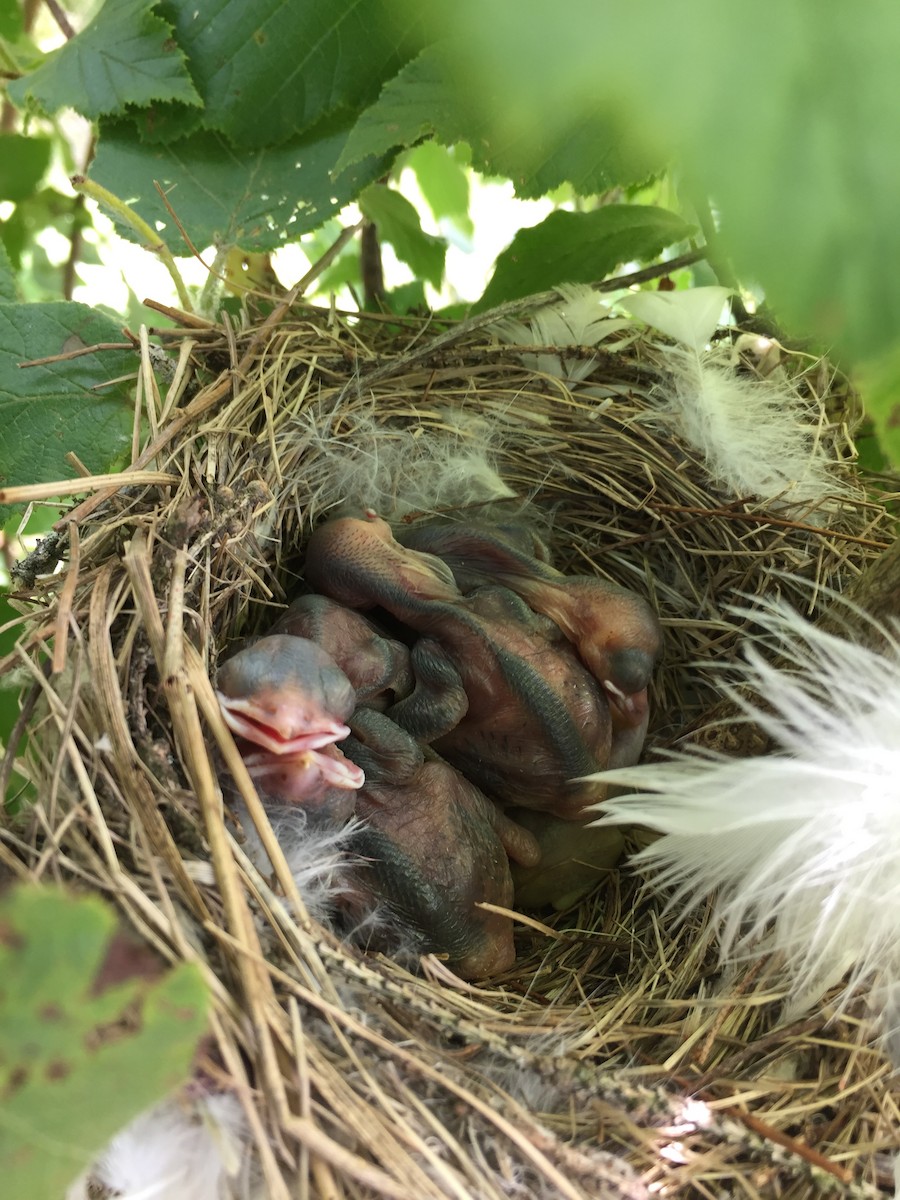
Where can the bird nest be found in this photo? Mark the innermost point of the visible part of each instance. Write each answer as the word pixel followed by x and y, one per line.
pixel 616 1059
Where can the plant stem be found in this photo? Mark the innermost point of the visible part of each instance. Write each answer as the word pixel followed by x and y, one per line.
pixel 152 242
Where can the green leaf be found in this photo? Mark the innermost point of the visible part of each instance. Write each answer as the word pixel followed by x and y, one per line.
pixel 125 56
pixel 23 161
pixel 407 298
pixel 46 411
pixel 412 106
pixel 11 27
pixel 879 381
pixel 21 235
pixel 7 277
pixel 269 71
pixel 9 701
pixel 443 182
pixel 79 1061
pixel 398 223
pixel 803 171
pixel 593 157
pixel 425 100
pixel 257 200
pixel 580 248
pixel 871 459
pixel 345 272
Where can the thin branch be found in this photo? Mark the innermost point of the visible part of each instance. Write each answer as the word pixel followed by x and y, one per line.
pixel 61 19
pixel 328 257
pixel 371 266
pixel 151 240
pixel 79 353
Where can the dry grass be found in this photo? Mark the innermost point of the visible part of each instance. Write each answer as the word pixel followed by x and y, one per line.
pixel 615 1061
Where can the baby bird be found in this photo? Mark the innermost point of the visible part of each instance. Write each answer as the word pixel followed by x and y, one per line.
pixel 287 696
pixel 615 632
pixel 526 717
pixel 576 856
pixel 435 848
pixel 376 665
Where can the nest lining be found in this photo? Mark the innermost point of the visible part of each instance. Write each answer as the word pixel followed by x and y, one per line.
pixel 571 1075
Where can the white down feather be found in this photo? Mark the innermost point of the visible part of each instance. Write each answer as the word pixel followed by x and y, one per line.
pixel 172 1152
pixel 800 848
pixel 757 437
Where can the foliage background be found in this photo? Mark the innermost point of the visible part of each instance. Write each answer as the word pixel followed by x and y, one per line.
pixel 233 133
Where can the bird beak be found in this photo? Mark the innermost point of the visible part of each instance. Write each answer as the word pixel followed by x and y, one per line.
pixel 289 728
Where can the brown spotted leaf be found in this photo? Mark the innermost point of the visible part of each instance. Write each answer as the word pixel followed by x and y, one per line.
pixel 81 1054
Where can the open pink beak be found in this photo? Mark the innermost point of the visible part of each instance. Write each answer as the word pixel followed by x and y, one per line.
pixel 292 727
pixel 305 777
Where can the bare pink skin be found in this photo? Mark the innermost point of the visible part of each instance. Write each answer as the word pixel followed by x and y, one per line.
pixel 287 696
pixel 534 713
pixel 428 823
pixel 437 848
pixel 323 781
pixel 575 858
pixel 616 633
pixel 341 554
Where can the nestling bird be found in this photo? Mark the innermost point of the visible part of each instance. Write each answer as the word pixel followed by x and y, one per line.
pixel 528 717
pixel 575 857
pixel 376 665
pixel 435 848
pixel 616 633
pixel 287 696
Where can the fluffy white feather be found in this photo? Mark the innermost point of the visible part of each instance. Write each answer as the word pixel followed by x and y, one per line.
pixel 802 846
pixel 331 877
pixel 423 466
pixel 757 436
pixel 689 317
pixel 316 854
pixel 172 1152
pixel 580 318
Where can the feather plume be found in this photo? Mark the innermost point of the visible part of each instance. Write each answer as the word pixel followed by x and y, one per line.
pixel 427 466
pixel 757 436
pixel 171 1152
pixel 580 318
pixel 331 877
pixel 316 853
pixel 803 845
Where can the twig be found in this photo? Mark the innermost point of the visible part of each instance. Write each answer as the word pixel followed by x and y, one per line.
pixel 328 257
pixel 731 514
pixel 371 266
pixel 61 19
pixel 152 241
pixel 160 191
pixel 511 308
pixel 79 353
pixel 73 487
pixel 77 465
pixel 75 242
pixel 64 608
pixel 190 319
